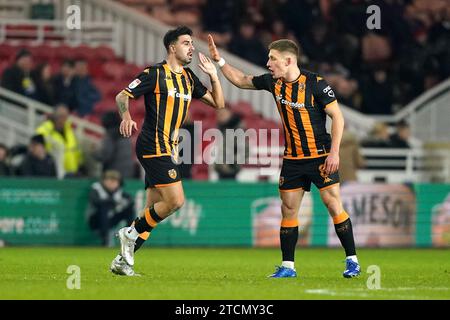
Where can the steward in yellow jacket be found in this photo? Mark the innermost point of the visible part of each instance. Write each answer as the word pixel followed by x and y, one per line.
pixel 61 143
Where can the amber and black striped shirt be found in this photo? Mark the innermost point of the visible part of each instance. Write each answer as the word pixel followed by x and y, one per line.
pixel 301 104
pixel 167 97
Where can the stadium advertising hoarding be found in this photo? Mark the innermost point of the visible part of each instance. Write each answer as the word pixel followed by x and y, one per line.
pixel 34 212
pixel 382 215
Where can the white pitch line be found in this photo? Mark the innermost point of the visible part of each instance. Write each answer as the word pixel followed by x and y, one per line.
pixel 358 292
pixel 329 292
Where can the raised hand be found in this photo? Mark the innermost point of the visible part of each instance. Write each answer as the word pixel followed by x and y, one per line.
pixel 213 52
pixel 206 65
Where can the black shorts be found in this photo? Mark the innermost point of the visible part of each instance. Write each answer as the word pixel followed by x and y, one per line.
pixel 298 174
pixel 159 171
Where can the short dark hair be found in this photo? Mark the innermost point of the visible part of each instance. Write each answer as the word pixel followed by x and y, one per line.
pixel 38 139
pixel 112 174
pixel 285 45
pixel 23 53
pixel 172 35
pixel 68 62
pixel 402 124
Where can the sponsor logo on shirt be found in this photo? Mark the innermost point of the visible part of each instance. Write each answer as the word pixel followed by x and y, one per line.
pixel 293 105
pixel 134 84
pixel 173 93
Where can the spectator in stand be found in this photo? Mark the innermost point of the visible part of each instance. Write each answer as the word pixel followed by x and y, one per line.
pixel 5 169
pixel 414 41
pixel 64 86
pixel 222 16
pixel 400 138
pixel 298 15
pixel 86 92
pixel 17 78
pixel 41 76
pixel 37 161
pixel 379 137
pixel 61 142
pixel 277 31
pixel 109 205
pixel 377 92
pixel 247 45
pixel 116 151
pixel 317 44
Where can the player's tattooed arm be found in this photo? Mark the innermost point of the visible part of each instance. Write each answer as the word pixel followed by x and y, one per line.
pixel 127 124
pixel 122 101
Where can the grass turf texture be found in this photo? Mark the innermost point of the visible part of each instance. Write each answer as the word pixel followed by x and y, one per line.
pixel 218 273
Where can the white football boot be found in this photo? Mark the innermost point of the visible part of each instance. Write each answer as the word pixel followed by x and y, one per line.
pixel 126 246
pixel 120 267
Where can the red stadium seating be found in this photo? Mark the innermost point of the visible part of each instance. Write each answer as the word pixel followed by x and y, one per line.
pixel 111 74
pixel 104 53
pixel 243 108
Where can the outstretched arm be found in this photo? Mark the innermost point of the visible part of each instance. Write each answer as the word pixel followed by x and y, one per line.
pixel 235 76
pixel 127 124
pixel 215 97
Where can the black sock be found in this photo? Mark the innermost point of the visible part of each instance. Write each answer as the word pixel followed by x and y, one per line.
pixel 139 242
pixel 141 225
pixel 288 241
pixel 345 233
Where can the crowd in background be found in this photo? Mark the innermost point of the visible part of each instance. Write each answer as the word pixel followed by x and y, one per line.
pixel 71 85
pixel 374 71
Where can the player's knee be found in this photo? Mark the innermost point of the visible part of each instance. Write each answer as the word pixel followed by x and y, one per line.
pixel 176 203
pixel 332 203
pixel 288 210
pixel 327 199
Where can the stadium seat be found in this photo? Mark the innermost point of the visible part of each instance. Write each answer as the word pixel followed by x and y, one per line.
pixel 113 70
pixel 243 108
pixel 64 52
pixel 3 65
pixel 105 106
pixel 130 71
pixel 107 88
pixel 84 52
pixel 43 52
pixel 7 52
pixel 105 53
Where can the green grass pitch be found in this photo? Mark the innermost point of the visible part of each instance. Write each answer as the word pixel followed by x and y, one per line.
pixel 219 273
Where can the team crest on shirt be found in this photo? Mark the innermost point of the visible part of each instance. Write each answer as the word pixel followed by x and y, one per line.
pixel 134 84
pixel 323 174
pixel 172 173
pixel 301 87
pixel 281 181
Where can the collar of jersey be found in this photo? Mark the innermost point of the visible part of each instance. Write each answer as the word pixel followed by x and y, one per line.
pixel 293 80
pixel 179 73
